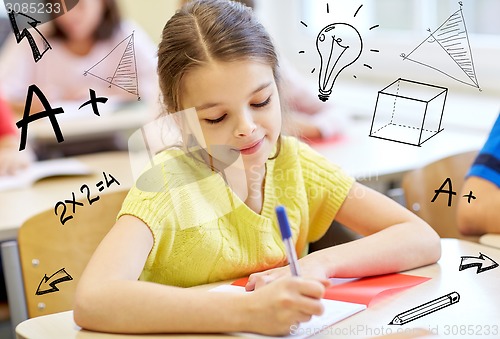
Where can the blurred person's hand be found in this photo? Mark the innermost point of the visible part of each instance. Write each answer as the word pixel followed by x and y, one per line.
pixel 11 159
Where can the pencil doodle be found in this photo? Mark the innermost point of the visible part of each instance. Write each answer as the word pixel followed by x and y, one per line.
pixel 482 262
pixel 339 45
pixel 125 74
pixel 451 40
pixel 408 112
pixel 48 284
pixel 426 308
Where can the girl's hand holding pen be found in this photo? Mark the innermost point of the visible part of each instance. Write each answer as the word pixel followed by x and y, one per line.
pixel 286 302
pixel 310 266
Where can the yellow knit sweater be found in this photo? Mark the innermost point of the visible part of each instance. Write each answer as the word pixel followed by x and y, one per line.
pixel 204 233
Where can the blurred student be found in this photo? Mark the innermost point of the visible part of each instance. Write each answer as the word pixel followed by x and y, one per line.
pixel 79 40
pixel 482 215
pixel 11 159
pixel 308 117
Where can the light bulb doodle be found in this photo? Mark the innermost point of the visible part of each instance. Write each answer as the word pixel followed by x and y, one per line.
pixel 339 45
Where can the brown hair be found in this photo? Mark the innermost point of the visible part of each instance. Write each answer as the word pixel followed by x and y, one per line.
pixel 204 31
pixel 109 22
pixel 248 3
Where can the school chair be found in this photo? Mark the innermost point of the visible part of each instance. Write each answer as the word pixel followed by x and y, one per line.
pixel 420 185
pixel 337 234
pixel 53 256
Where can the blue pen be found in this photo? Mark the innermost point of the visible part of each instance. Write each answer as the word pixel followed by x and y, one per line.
pixel 286 234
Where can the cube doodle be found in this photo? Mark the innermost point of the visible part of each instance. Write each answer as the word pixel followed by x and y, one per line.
pixel 408 112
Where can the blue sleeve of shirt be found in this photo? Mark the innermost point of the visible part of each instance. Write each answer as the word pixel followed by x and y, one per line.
pixel 487 163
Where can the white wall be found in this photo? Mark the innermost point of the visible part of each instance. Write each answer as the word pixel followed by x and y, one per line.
pixel 150 14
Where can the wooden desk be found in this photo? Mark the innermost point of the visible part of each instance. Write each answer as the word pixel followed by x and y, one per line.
pixel 478 307
pixel 490 240
pixel 16 206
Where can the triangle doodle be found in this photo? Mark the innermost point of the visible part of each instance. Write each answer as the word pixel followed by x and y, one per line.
pixel 455 59
pixel 124 75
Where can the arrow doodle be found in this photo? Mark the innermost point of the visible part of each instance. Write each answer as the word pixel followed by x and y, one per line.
pixel 56 278
pixel 20 35
pixel 483 263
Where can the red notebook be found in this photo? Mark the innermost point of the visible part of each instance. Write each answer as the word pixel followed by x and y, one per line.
pixel 364 290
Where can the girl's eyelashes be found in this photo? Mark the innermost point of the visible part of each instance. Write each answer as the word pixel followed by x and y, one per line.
pixel 262 104
pixel 257 105
pixel 215 121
